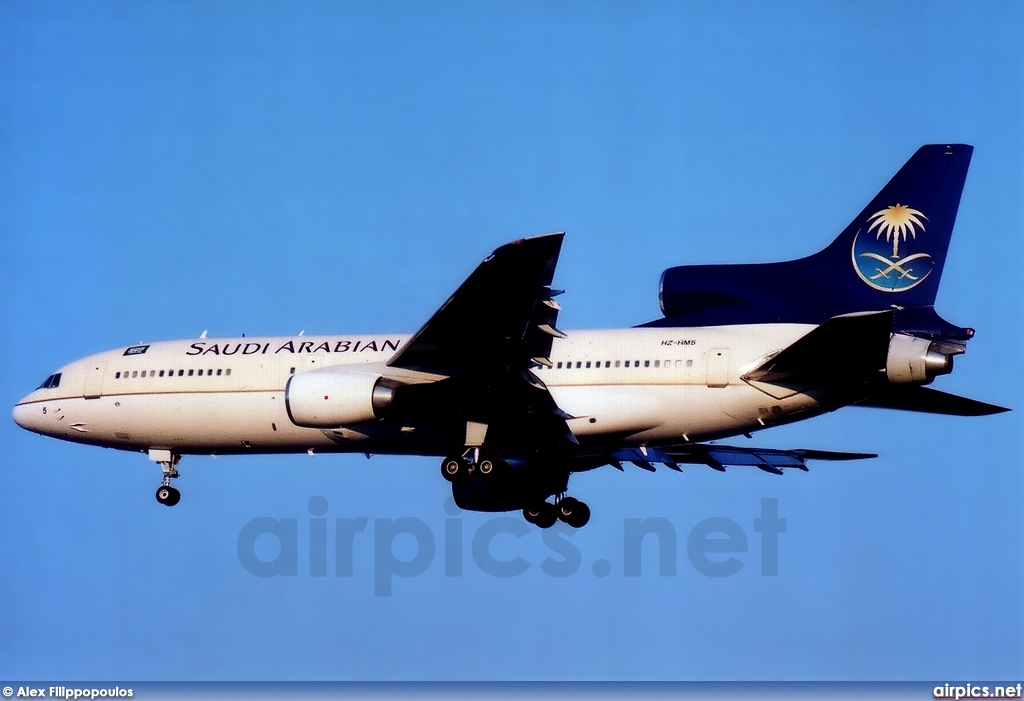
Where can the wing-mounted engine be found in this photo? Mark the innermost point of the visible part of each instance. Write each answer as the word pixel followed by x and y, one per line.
pixel 336 397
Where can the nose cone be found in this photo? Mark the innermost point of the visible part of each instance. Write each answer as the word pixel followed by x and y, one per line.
pixel 22 416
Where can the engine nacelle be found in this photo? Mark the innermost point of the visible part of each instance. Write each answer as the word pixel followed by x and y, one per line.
pixel 913 360
pixel 336 397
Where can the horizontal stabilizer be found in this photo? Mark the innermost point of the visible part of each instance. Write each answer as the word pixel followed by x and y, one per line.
pixel 843 349
pixel 930 401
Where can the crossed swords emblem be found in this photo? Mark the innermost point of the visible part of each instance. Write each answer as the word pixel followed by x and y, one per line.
pixel 894 266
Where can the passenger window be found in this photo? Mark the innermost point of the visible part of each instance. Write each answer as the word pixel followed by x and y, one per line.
pixel 607 363
pixel 180 373
pixel 679 363
pixel 117 376
pixel 228 371
pixel 292 371
pixel 210 371
pixel 627 363
pixel 559 365
pixel 161 373
pixel 657 363
pixel 647 363
pixel 135 373
pixel 588 363
pixel 689 363
pixel 617 363
pixel 219 370
pixel 191 372
pixel 578 364
pixel 200 372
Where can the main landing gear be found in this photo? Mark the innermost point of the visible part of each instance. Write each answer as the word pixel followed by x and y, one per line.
pixel 165 493
pixel 462 469
pixel 569 510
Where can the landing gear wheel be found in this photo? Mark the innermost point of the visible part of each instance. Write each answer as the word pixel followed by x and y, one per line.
pixel 542 515
pixel 167 460
pixel 456 470
pixel 167 495
pixel 573 512
pixel 490 468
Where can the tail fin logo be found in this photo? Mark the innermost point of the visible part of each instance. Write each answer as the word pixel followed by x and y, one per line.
pixel 877 258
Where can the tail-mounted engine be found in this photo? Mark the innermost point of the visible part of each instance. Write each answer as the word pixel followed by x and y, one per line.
pixel 333 397
pixel 913 360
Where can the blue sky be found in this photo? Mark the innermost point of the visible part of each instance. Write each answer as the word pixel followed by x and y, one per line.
pixel 167 168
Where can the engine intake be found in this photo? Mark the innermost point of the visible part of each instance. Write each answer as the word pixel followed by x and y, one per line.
pixel 335 397
pixel 914 360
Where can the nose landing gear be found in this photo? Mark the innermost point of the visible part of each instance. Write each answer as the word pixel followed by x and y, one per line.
pixel 166 494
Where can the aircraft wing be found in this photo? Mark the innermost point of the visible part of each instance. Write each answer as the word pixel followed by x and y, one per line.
pixel 484 341
pixel 500 318
pixel 719 456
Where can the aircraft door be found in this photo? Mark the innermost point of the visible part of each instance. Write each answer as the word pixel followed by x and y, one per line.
pixel 718 367
pixel 94 373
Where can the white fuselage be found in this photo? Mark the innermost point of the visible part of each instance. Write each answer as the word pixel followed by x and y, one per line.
pixel 624 387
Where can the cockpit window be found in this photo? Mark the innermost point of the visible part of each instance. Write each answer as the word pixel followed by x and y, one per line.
pixel 51 382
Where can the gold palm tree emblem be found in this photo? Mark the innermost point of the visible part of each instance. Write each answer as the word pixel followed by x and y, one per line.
pixel 895 222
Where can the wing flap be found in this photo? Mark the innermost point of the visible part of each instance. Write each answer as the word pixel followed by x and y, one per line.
pixel 768 459
pixel 718 457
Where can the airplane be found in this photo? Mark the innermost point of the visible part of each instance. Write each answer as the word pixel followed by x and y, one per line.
pixel 515 406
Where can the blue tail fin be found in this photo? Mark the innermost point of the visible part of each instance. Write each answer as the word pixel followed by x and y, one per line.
pixel 892 254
